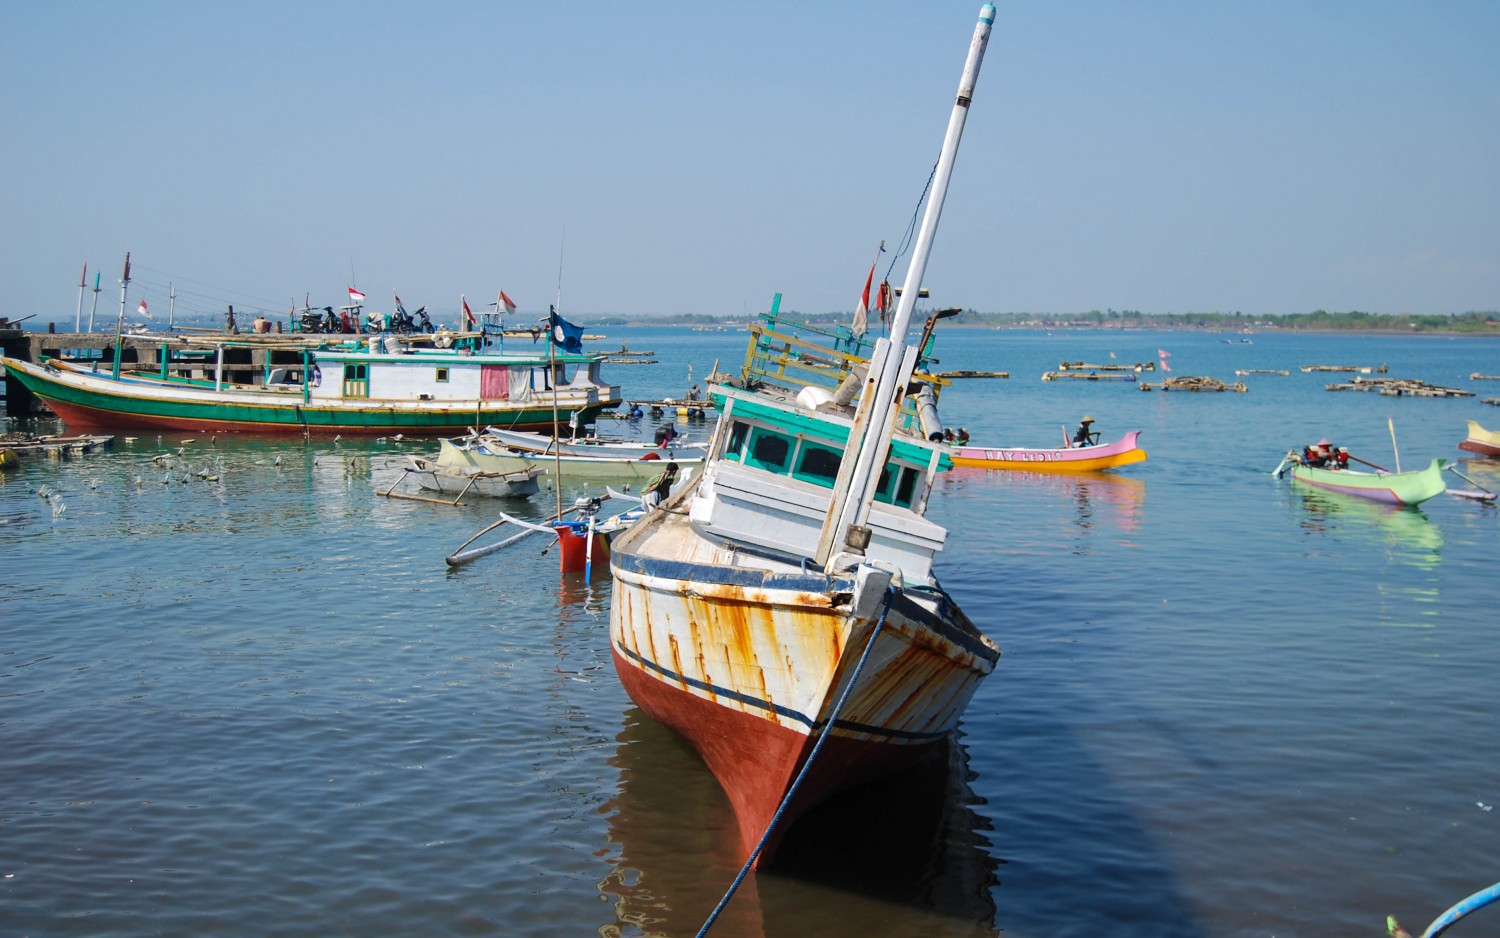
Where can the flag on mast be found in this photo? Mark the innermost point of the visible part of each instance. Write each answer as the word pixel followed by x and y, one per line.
pixel 510 304
pixel 468 316
pixel 143 310
pixel 861 323
pixel 399 308
pixel 355 296
pixel 883 301
pixel 565 335
pixel 126 277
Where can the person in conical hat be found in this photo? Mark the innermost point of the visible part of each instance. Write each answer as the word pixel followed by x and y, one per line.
pixel 1085 435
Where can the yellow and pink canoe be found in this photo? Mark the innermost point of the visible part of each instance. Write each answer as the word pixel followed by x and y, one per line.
pixel 1096 458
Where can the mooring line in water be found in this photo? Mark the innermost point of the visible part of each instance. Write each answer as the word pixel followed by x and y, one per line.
pixel 817 746
pixel 1439 925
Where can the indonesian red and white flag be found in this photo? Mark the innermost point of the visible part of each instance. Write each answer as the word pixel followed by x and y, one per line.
pixel 143 310
pixel 861 323
pixel 1163 355
pixel 355 296
pixel 883 300
pixel 510 304
pixel 468 316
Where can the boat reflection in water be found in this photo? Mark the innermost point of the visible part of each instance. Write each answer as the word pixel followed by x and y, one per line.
pixel 1406 531
pixel 906 855
pixel 1100 498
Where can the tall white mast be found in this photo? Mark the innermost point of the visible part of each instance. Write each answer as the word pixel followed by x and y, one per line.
pixel 83 282
pixel 94 307
pixel 873 434
pixel 124 285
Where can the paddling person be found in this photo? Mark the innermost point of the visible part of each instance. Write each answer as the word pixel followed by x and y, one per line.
pixel 657 490
pixel 1085 435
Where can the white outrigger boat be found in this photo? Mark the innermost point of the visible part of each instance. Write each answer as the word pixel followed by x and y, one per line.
pixel 486 453
pixel 594 446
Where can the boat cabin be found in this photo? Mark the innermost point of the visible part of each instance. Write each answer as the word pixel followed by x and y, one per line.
pixel 773 469
pixel 404 373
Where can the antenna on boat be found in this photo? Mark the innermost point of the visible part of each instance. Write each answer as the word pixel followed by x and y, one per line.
pixel 892 360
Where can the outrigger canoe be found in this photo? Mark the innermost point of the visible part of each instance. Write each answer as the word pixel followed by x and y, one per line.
pixel 1121 452
pixel 1481 441
pixel 1390 488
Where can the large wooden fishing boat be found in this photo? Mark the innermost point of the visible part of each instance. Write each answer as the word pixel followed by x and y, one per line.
pixel 781 612
pixel 1481 441
pixel 376 387
pixel 1122 452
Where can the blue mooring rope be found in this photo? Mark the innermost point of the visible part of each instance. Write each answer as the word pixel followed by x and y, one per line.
pixel 792 791
pixel 1479 900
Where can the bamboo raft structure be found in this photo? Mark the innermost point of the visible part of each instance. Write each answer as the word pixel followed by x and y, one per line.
pixel 1088 376
pixel 1195 383
pixel 974 374
pixel 1360 369
pixel 1242 372
pixel 1084 366
pixel 1399 387
pixel 1476 376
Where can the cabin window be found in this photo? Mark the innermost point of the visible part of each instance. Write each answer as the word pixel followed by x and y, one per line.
pixel 769 450
pixel 907 486
pixel 898 488
pixel 736 445
pixel 442 376
pixel 356 379
pixel 818 464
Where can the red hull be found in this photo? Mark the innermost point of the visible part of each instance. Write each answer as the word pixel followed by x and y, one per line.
pixel 93 420
pixel 756 761
pixel 1483 449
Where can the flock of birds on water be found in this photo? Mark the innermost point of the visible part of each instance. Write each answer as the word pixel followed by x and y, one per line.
pixel 170 463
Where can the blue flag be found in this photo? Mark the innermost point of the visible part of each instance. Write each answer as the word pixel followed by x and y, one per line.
pixel 568 337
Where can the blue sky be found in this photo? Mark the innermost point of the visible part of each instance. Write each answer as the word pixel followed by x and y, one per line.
pixel 658 157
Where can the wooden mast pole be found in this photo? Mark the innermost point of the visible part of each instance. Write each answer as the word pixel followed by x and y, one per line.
pixel 872 435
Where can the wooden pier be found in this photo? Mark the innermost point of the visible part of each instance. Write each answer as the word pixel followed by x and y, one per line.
pixel 1087 376
pixel 1399 387
pixel 1360 369
pixel 1085 366
pixel 1198 383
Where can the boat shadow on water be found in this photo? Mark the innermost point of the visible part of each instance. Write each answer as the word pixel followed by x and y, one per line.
pixel 1100 498
pixel 1416 538
pixel 908 848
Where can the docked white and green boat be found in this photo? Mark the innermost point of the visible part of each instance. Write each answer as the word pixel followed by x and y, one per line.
pixel 375 386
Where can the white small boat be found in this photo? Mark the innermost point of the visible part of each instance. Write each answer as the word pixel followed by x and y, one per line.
pixel 594 446
pixel 482 452
pixel 458 482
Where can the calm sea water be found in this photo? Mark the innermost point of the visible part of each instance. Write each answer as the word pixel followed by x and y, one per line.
pixel 261 703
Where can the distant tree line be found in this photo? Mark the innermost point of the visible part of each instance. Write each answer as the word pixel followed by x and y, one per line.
pixel 1483 323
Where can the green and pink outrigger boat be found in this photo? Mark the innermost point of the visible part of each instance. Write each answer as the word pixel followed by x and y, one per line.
pixel 379 386
pixel 1390 488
